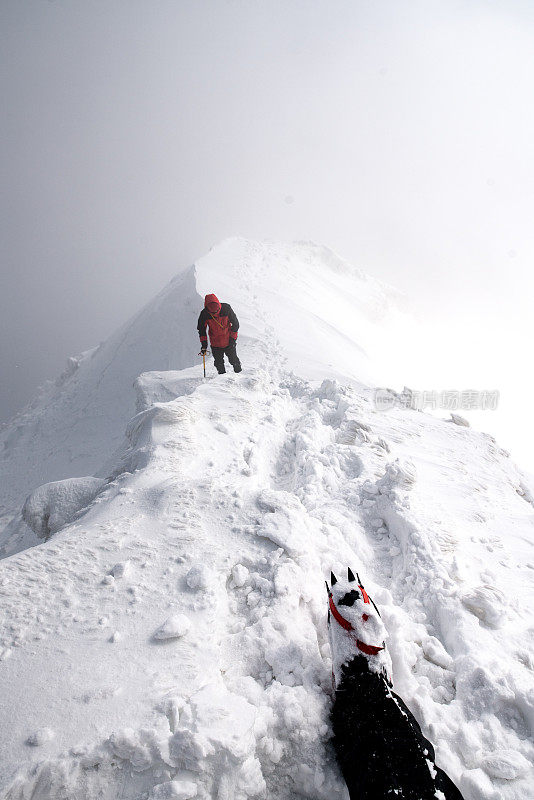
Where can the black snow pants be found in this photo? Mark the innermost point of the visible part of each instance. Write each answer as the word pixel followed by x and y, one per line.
pixel 231 355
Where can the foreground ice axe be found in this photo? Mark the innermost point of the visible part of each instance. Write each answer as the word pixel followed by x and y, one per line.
pixel 379 745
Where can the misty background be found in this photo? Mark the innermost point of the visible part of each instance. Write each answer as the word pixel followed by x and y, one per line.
pixel 136 135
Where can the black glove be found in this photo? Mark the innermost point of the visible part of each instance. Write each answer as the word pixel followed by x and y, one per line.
pixel 203 349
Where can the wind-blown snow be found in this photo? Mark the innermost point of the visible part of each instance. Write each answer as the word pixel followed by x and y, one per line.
pixel 53 505
pixel 172 640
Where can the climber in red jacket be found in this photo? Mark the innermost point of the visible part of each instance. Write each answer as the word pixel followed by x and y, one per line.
pixel 222 325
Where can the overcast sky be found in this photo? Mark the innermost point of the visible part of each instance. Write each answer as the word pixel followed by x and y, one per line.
pixel 136 135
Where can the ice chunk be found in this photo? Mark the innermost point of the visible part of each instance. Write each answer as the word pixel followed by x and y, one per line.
pixel 133 746
pixel 173 628
pixel 121 570
pixel 239 574
pixel 198 577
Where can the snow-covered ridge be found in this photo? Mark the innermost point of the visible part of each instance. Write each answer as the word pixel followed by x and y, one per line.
pixel 312 308
pixel 171 641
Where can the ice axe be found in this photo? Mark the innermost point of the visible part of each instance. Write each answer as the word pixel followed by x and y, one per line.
pixel 203 354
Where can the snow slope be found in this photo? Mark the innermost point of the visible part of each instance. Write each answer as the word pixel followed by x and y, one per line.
pixel 80 418
pixel 332 319
pixel 171 641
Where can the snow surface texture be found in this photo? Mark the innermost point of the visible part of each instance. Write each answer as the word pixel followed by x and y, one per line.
pixel 172 641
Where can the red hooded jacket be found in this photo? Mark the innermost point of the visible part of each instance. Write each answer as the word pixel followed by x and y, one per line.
pixel 220 320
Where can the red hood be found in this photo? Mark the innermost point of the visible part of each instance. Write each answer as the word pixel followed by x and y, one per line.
pixel 212 304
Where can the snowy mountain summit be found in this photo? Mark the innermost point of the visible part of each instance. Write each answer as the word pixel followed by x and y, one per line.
pixel 166 539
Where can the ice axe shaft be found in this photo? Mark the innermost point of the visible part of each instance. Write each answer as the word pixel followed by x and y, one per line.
pixel 203 354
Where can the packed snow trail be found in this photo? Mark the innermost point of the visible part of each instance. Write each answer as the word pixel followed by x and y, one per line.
pixel 228 506
pixel 169 638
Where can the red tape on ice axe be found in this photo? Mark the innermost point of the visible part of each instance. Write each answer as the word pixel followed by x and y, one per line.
pixel 368 649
